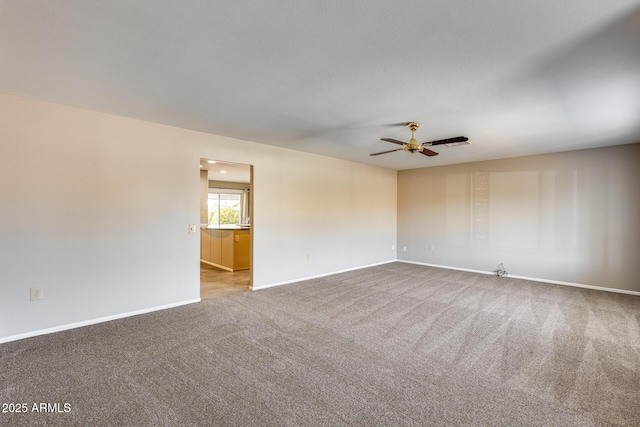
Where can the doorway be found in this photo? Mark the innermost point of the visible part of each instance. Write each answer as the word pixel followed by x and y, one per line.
pixel 226 212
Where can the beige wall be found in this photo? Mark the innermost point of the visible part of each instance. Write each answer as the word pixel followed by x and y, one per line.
pixel 225 184
pixel 571 217
pixel 96 209
pixel 204 196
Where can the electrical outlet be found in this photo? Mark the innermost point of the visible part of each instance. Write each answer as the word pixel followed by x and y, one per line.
pixel 192 229
pixel 404 249
pixel 393 247
pixel 36 294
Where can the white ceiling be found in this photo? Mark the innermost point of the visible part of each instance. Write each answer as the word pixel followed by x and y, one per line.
pixel 227 172
pixel 517 77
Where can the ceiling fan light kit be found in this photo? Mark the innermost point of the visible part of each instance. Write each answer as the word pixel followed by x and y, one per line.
pixel 414 147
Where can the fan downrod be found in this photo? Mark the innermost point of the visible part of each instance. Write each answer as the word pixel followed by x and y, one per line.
pixel 413 145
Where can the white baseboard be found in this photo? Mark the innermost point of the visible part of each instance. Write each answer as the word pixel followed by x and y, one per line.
pixel 166 306
pixel 217 265
pixel 302 279
pixel 491 273
pixel 535 279
pixel 93 321
pixel 578 285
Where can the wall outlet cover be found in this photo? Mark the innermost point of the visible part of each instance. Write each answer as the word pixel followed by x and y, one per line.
pixel 35 294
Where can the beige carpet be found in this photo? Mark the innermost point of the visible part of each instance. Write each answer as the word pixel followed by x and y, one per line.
pixel 395 345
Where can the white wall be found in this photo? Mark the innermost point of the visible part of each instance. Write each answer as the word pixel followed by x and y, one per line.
pixel 570 217
pixel 95 208
pixel 204 196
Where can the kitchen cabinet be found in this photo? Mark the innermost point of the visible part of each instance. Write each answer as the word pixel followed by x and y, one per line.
pixel 229 249
pixel 215 248
pixel 205 245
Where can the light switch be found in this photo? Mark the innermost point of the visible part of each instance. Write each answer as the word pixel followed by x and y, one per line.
pixel 192 229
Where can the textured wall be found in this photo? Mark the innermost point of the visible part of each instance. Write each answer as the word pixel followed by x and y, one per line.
pixel 572 217
pixel 95 209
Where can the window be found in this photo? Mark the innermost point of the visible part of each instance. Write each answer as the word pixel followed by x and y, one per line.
pixel 225 206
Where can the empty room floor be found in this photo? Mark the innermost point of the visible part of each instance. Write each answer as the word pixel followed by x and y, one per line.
pixel 396 344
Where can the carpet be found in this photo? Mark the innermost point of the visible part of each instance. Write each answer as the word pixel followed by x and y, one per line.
pixel 392 345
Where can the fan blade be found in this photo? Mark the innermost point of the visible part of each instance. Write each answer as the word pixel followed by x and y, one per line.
pixel 395 141
pixel 447 141
pixel 385 152
pixel 427 152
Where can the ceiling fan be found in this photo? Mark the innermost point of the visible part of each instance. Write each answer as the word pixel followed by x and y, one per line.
pixel 414 147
